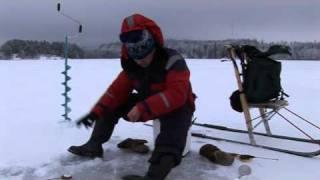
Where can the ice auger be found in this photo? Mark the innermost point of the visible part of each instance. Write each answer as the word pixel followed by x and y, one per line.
pixel 67 67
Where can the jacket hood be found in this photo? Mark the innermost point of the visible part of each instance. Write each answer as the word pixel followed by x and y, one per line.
pixel 140 22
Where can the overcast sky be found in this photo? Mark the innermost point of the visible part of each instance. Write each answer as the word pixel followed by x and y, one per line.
pixel 269 20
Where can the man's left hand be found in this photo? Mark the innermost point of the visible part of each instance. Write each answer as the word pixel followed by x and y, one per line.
pixel 134 114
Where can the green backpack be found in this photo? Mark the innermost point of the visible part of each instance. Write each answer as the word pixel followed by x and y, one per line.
pixel 261 75
pixel 261 79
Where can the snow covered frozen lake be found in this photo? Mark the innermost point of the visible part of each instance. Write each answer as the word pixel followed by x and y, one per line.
pixel 33 140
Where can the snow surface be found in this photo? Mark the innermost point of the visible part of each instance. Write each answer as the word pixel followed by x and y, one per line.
pixel 34 139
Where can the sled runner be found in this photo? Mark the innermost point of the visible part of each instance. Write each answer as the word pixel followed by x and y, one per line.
pixel 268 103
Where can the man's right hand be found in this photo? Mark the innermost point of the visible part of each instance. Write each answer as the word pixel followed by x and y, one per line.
pixel 87 120
pixel 134 114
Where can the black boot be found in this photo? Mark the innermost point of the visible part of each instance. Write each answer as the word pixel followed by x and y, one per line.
pixel 89 149
pixel 157 171
pixel 161 170
pixel 101 133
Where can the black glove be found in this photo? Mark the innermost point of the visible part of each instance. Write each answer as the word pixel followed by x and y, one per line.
pixel 87 120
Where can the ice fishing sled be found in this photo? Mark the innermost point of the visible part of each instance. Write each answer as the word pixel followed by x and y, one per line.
pixel 266 97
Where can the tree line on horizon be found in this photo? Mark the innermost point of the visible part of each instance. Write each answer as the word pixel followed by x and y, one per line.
pixel 196 49
pixel 28 49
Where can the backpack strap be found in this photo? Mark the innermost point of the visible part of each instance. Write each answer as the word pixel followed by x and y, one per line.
pixel 282 93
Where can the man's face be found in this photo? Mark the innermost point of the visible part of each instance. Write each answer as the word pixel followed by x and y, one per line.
pixel 139 44
pixel 146 61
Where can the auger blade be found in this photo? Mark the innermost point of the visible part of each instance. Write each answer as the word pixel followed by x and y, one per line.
pixel 68 99
pixel 67 89
pixel 68 109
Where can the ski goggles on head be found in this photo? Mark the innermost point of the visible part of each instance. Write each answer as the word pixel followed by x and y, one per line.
pixel 138 43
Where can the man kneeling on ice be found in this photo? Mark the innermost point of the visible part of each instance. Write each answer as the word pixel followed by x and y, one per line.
pixel 161 79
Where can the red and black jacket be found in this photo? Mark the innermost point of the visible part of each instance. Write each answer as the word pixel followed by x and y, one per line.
pixel 163 86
